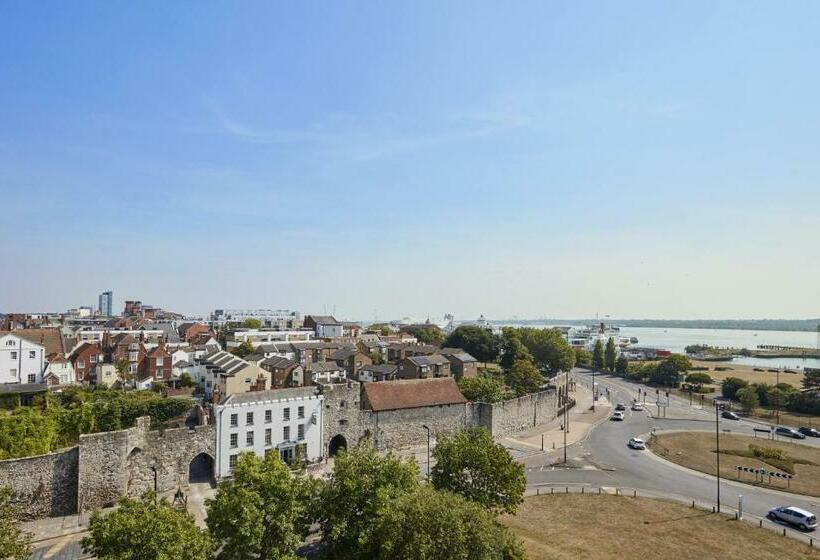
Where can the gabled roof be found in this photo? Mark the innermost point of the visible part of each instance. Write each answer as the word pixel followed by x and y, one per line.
pixel 343 353
pixel 324 319
pixel 226 361
pixel 432 360
pixel 412 393
pixel 384 369
pixel 278 362
pixel 316 367
pixel 85 346
pixel 50 339
pixel 458 354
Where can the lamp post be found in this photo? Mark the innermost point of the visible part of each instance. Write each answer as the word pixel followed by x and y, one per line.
pixel 593 388
pixel 717 454
pixel 428 449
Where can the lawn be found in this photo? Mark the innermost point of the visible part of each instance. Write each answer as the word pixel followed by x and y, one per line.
pixel 696 450
pixel 573 527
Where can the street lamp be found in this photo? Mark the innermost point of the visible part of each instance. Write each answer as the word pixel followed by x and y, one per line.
pixel 717 453
pixel 428 449
pixel 593 388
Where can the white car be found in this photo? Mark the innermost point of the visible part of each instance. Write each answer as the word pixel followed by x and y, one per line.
pixel 637 406
pixel 617 415
pixel 637 443
pixel 801 518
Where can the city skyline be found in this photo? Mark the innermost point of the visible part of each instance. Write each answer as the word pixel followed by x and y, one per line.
pixel 653 161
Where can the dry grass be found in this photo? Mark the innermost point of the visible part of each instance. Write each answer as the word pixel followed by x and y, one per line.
pixel 695 450
pixel 573 527
pixel 748 374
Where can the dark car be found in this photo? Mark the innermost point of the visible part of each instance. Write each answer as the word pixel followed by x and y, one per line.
pixel 789 432
pixel 620 406
pixel 811 432
pixel 729 415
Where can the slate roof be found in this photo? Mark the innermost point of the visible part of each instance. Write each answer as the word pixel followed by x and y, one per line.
pixel 412 393
pixel 324 319
pixel 271 395
pixel 278 362
pixel 384 369
pixel 343 353
pixel 316 367
pixel 432 360
pixel 458 354
pixel 226 361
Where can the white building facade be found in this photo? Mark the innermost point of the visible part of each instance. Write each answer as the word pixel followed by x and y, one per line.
pixel 287 422
pixel 21 361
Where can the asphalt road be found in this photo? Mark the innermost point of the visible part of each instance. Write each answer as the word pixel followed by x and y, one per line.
pixel 616 465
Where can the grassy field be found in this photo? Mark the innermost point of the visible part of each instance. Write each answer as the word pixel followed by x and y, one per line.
pixel 573 527
pixel 695 450
pixel 747 373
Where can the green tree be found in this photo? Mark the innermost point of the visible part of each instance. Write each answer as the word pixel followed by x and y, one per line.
pixel 598 356
pixel 512 349
pixel 252 323
pixel 243 349
pixel 382 329
pixel 427 334
pixel 263 513
pixel 730 387
pixel 361 488
pixel 483 389
pixel 428 524
pixel 583 358
pixel 477 341
pixel 523 378
pixel 678 362
pixel 811 379
pixel 471 464
pixel 549 349
pixel 748 399
pixel 185 380
pixel 610 354
pixel 621 365
pixel 698 379
pixel 123 371
pixel 14 543
pixel 146 529
pixel 376 358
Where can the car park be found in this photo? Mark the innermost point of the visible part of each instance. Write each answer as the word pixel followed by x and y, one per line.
pixel 788 432
pixel 637 406
pixel 637 443
pixel 617 415
pixel 729 415
pixel 811 432
pixel 620 406
pixel 801 518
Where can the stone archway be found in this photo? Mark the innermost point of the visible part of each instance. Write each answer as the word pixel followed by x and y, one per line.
pixel 337 443
pixel 201 469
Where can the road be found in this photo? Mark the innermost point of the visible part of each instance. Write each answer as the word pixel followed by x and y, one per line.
pixel 613 464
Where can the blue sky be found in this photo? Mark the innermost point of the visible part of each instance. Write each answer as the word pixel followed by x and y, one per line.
pixel 642 159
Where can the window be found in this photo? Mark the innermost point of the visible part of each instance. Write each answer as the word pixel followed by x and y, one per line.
pixel 234 420
pixel 267 436
pixel 268 416
pixel 13 372
pixel 234 440
pixel 300 432
pixel 93 359
pixel 286 433
pixel 232 462
pixel 32 354
pixel 301 412
pixel 132 368
pixel 342 404
pixel 80 364
pixel 286 414
pixel 249 418
pixel 14 355
pixel 10 343
pixel 132 356
pixel 159 361
pixel 343 422
pixel 249 439
pixel 32 378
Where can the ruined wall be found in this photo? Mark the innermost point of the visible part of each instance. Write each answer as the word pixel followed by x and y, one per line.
pixel 515 415
pixel 43 486
pixel 395 429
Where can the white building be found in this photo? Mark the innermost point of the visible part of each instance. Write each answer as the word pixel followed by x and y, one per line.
pixel 262 422
pixel 21 361
pixel 258 337
pixel 61 369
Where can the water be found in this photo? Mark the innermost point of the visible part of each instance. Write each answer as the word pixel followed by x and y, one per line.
pixel 678 339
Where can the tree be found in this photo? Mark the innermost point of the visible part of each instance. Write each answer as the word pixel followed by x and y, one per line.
pixel 549 349
pixel 598 356
pixel 471 464
pixel 185 380
pixel 360 489
pixel 512 349
pixel 811 378
pixel 748 399
pixel 477 341
pixel 382 329
pixel 263 513
pixel 252 323
pixel 621 365
pixel 583 358
pixel 483 389
pixel 243 349
pixel 610 354
pixel 123 371
pixel 146 529
pixel 730 387
pixel 376 358
pixel 698 380
pixel 14 543
pixel 524 378
pixel 428 524
pixel 678 362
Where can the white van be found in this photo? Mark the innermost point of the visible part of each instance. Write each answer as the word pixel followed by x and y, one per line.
pixel 801 518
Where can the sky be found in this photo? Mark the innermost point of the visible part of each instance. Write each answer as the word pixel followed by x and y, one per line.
pixel 386 159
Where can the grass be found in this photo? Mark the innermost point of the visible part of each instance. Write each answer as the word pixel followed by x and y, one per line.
pixel 748 374
pixel 573 527
pixel 696 450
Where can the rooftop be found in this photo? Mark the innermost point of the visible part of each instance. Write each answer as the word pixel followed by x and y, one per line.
pixel 412 393
pixel 271 395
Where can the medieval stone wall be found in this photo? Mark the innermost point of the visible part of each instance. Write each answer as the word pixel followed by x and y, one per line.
pixel 396 429
pixel 515 415
pixel 43 486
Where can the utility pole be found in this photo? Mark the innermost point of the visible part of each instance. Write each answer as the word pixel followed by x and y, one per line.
pixel 777 404
pixel 566 419
pixel 428 449
pixel 593 388
pixel 717 454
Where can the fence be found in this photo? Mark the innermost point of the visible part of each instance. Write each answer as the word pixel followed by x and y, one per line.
pixel 760 522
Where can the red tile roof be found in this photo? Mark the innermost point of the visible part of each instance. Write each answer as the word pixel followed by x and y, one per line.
pixel 412 393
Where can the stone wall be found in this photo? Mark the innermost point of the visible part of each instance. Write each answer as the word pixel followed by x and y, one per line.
pixel 43 486
pixel 395 429
pixel 515 415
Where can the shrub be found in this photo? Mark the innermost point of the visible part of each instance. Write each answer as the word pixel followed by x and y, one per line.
pixel 730 387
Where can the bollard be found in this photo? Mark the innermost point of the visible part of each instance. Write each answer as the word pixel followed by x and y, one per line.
pixel 582 489
pixel 811 543
pixel 599 491
pixel 761 523
pixel 713 509
pixel 567 489
pixel 784 532
pixel 617 491
pixel 537 491
pixel 552 491
pixel 693 504
pixel 634 493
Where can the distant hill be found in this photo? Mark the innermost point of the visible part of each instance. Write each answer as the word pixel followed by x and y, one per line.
pixel 802 325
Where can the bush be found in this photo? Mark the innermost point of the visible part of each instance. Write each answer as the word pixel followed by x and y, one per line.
pixel 730 387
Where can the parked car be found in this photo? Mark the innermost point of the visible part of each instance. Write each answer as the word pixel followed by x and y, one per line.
pixel 637 406
pixel 789 432
pixel 620 406
pixel 811 432
pixel 801 518
pixel 729 415
pixel 617 415
pixel 637 443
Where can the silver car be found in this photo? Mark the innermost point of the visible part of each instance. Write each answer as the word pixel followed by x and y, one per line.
pixel 637 443
pixel 801 518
